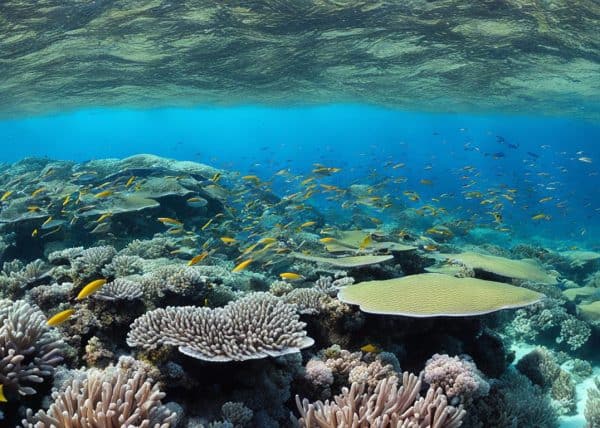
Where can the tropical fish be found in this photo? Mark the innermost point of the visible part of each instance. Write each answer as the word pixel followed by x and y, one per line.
pixel 291 276
pixel 6 195
pixel 366 242
pixel 197 202
pixel 307 224
pixel 227 240
pixel 91 288
pixel 370 348
pixel 206 224
pixel 34 233
pixel 216 177
pixel 546 199
pixel 103 217
pixel 2 397
pixel 60 317
pixel 197 259
pixel 540 216
pixel 38 191
pixel 327 240
pixel 169 221
pixel 585 159
pixel 130 181
pixel 243 265
pixel 104 194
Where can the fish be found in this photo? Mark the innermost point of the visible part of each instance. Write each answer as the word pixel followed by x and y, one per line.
pixel 252 178
pixel 34 233
pixel 104 194
pixel 130 181
pixel 426 182
pixel 366 242
pixel 2 396
pixel 60 317
pixel 546 199
pixel 6 195
pixel 197 259
pixel 369 347
pixel 291 276
pixel 327 240
pixel 197 202
pixel 170 221
pixel 227 240
pixel 101 228
pixel 66 200
pixel 206 224
pixel 38 191
pixel 243 265
pixel 90 288
pixel 585 159
pixel 103 217
pixel 33 209
pixel 541 216
pixel 307 224
pixel 216 177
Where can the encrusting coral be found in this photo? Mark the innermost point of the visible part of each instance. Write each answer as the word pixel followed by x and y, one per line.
pixel 257 326
pixel 29 350
pixel 115 397
pixel 389 406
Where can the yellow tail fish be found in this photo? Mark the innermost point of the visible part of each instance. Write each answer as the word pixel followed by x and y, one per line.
pixel 91 288
pixel 59 318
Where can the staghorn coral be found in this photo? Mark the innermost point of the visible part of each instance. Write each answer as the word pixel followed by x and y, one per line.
pixel 120 289
pixel 280 288
pixel 29 350
pixel 122 396
pixel 31 273
pixel 388 406
pixel 458 377
pixel 63 257
pixel 257 326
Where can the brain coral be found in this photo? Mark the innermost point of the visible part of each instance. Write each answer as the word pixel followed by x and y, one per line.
pixel 257 326
pixel 29 351
pixel 434 294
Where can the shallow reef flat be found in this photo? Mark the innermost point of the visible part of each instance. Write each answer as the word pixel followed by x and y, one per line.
pixel 174 294
pixel 516 56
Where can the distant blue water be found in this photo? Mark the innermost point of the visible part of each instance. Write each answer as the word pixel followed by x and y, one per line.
pixel 360 140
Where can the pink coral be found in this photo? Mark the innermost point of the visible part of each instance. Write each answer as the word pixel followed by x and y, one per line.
pixel 318 373
pixel 457 376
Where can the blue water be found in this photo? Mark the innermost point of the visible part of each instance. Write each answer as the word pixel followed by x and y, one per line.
pixel 360 140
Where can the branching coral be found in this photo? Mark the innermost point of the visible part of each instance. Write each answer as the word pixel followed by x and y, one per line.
pixel 388 406
pixel 307 300
pixel 258 326
pixel 29 351
pixel 457 376
pixel 91 261
pixel 123 265
pixel 592 406
pixel 121 397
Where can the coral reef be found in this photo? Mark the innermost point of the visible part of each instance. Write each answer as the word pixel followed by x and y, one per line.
pixel 592 405
pixel 29 350
pixel 388 406
pixel 256 326
pixel 120 396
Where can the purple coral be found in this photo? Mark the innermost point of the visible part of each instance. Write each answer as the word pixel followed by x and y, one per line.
pixel 458 377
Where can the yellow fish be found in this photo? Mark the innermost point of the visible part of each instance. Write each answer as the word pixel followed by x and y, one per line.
pixel 197 259
pixel 169 220
pixel 227 240
pixel 60 317
pixel 327 240
pixel 130 181
pixel 243 265
pixel 91 288
pixel 540 216
pixel 66 200
pixel 103 217
pixel 370 348
pixel 2 397
pixel 365 242
pixel 266 241
pixel 38 191
pixel 216 177
pixel 6 195
pixel 206 224
pixel 104 194
pixel 252 178
pixel 290 276
pixel 546 199
pixel 307 224
pixel 33 209
pixel 34 233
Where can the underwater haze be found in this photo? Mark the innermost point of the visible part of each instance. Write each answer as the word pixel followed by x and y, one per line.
pixel 312 213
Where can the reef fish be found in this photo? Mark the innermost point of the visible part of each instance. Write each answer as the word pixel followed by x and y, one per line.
pixel 369 347
pixel 290 276
pixel 197 259
pixel 170 221
pixel 60 317
pixel 243 265
pixel 91 288
pixel 2 397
